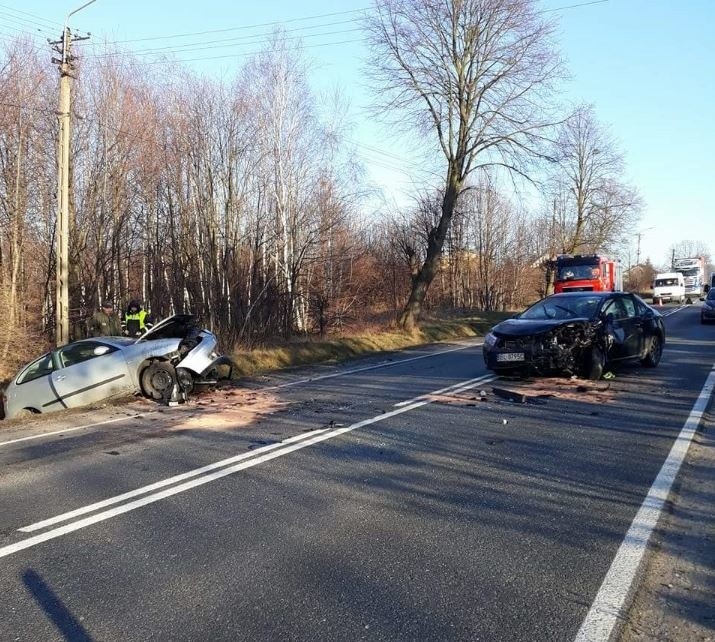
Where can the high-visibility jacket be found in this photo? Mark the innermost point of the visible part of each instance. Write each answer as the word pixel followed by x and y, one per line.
pixel 135 323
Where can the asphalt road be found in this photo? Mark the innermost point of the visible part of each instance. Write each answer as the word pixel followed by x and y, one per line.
pixel 339 512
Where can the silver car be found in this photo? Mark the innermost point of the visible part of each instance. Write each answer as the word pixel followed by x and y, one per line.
pixel 174 355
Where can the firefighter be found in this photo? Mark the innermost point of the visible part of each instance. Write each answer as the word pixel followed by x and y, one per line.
pixel 136 319
pixel 105 322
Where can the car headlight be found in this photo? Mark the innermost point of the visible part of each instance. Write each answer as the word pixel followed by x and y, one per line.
pixel 490 340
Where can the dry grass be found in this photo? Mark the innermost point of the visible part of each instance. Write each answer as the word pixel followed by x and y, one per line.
pixel 307 351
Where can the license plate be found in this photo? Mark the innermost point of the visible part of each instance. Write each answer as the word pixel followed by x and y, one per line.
pixel 510 356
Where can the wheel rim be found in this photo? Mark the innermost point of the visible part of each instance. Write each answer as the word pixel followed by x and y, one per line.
pixel 159 381
pixel 655 349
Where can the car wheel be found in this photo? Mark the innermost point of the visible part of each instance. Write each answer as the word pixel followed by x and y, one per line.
pixel 157 380
pixel 595 364
pixel 654 352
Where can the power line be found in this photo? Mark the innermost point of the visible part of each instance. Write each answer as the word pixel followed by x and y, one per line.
pixel 32 15
pixel 243 27
pixel 203 45
pixel 31 33
pixel 231 42
pixel 243 54
pixel 572 6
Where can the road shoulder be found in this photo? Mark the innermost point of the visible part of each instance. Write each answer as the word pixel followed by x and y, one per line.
pixel 676 598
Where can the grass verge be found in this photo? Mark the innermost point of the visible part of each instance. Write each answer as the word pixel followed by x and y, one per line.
pixel 312 351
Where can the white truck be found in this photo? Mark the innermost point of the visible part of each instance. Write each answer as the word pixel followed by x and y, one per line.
pixel 668 287
pixel 693 270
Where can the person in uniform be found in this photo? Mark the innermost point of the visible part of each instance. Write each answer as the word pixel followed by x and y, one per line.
pixel 105 322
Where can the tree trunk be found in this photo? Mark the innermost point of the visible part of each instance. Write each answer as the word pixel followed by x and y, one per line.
pixel 423 279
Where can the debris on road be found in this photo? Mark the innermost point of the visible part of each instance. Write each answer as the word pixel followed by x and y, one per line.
pixel 225 407
pixel 534 391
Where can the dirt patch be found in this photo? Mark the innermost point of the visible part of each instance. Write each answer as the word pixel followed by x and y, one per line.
pixel 222 408
pixel 533 391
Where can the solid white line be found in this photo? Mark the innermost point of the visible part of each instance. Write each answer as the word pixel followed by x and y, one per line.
pixel 483 379
pixel 608 607
pixel 150 499
pixel 387 364
pixel 58 432
pixel 164 482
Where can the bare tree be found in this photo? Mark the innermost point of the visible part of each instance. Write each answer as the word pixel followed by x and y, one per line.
pixel 592 208
pixel 476 73
pixel 688 248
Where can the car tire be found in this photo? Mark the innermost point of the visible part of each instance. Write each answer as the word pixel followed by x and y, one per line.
pixel 595 364
pixel 157 380
pixel 654 352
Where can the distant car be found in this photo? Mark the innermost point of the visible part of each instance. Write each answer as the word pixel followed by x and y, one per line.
pixel 577 333
pixel 174 351
pixel 707 312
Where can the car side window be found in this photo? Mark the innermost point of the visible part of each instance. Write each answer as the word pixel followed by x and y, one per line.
pixel 40 368
pixel 614 309
pixel 641 308
pixel 629 307
pixel 75 353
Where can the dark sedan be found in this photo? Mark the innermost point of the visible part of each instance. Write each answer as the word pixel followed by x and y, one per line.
pixel 707 312
pixel 577 333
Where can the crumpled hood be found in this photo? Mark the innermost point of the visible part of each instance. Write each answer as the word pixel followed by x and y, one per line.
pixel 528 327
pixel 175 327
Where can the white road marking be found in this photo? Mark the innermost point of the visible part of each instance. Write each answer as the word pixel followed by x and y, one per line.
pixel 671 312
pixel 205 479
pixel 164 482
pixel 483 379
pixel 608 607
pixel 386 364
pixel 59 432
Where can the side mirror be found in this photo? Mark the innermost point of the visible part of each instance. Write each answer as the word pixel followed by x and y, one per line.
pixel 100 350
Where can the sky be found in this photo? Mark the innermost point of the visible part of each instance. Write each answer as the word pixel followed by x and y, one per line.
pixel 647 67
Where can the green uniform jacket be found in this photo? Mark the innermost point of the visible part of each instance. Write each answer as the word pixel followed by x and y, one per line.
pixel 104 325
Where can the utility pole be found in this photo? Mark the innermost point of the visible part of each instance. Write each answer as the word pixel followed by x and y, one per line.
pixel 66 68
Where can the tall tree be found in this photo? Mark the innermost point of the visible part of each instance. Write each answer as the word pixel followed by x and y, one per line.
pixel 478 75
pixel 593 208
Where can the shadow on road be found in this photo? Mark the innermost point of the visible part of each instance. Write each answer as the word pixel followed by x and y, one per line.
pixel 63 619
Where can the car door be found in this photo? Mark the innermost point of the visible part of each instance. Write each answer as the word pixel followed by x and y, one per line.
pixel 624 328
pixel 89 371
pixel 32 388
pixel 632 324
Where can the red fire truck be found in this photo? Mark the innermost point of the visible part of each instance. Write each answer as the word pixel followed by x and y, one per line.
pixel 587 273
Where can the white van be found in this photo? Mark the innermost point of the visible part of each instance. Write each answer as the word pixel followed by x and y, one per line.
pixel 669 286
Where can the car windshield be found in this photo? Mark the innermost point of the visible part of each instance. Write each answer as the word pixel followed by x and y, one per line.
pixel 563 307
pixel 573 272
pixel 659 283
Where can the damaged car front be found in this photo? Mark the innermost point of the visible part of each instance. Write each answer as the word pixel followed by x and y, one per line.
pixel 192 361
pixel 576 333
